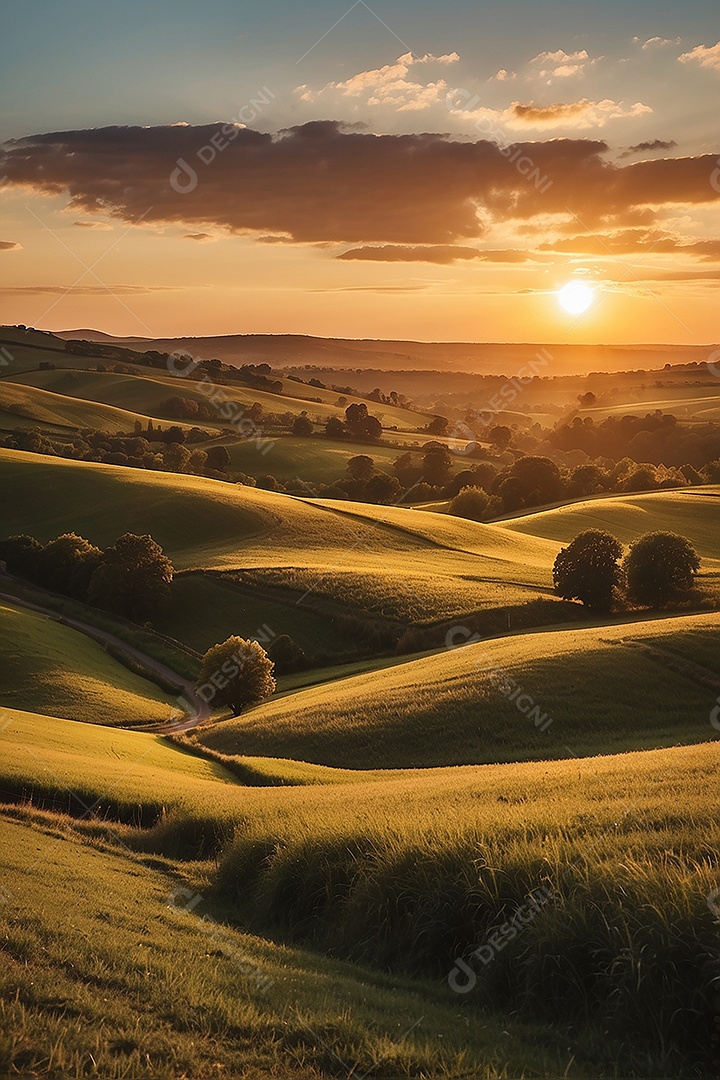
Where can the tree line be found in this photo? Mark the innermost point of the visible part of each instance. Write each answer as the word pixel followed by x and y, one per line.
pixel 131 577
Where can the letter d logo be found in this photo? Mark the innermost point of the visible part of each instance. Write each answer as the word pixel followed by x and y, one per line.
pixel 183 179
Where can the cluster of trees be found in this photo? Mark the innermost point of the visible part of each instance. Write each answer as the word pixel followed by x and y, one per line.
pixel 534 481
pixel 359 425
pixel 657 438
pixel 659 568
pixel 132 577
pixel 169 450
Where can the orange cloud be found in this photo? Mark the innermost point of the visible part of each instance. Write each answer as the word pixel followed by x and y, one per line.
pixel 9 245
pixel 705 56
pixel 321 183
pixel 443 254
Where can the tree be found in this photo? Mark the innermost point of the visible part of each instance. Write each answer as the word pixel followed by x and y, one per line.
pixel 659 567
pixel 471 502
pixel 587 569
pixel 539 480
pixel 20 554
pixel 67 564
pixel 361 467
pixel 177 457
pixel 237 673
pixel 218 458
pixel 438 425
pixel 436 464
pixel 286 654
pixel 360 424
pixel 334 428
pixel 133 578
pixel 382 488
pixel 587 400
pixel 500 436
pixel 302 426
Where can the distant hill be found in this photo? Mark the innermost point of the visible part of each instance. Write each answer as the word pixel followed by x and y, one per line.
pixel 290 350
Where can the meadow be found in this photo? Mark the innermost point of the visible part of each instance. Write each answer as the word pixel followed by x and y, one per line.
pixel 407 875
pixel 354 849
pixel 47 667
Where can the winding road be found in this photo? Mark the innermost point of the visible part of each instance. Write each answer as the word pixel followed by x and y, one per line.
pixel 187 697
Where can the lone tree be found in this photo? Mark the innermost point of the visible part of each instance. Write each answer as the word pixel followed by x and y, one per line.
pixel 133 578
pixel 236 673
pixel 659 567
pixel 587 569
pixel 470 502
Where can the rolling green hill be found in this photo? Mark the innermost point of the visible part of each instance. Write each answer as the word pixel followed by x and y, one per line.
pixel 692 513
pixel 338 549
pixel 567 693
pixel 47 667
pixel 20 404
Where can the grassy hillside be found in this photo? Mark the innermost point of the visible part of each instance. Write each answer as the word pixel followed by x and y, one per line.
pixel 319 461
pixel 20 404
pixel 131 775
pixel 600 692
pixel 693 513
pixel 408 873
pixel 227 608
pixel 101 977
pixel 143 392
pixel 346 551
pixel 47 667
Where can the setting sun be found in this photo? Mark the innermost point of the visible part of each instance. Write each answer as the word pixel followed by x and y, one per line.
pixel 576 297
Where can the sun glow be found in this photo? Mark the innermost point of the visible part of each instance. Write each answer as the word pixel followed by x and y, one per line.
pixel 576 297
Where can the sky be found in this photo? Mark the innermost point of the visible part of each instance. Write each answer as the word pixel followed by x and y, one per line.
pixel 463 171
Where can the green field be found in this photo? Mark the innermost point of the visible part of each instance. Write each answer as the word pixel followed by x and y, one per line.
pixel 318 461
pixel 103 978
pixel 405 872
pixel 20 404
pixel 143 392
pixel 358 836
pixel 599 692
pixel 47 667
pixel 205 609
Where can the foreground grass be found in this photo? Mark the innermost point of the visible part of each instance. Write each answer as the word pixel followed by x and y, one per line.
pixel 573 692
pixel 48 667
pixel 100 977
pixel 407 874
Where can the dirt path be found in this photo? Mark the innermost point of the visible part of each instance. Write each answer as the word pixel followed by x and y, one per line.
pixel 199 710
pixel 669 659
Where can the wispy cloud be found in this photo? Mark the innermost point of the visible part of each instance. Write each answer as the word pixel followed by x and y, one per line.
pixel 9 245
pixel 656 42
pixel 551 66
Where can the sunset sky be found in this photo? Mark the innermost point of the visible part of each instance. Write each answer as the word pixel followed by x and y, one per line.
pixel 396 169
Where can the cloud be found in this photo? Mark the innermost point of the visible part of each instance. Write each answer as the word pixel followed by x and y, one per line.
pixel 388 85
pixel 103 225
pixel 320 183
pixel 442 254
pixel 201 237
pixel 503 76
pixel 632 241
pixel 561 65
pixel 652 144
pixel 9 245
pixel 705 56
pixel 656 42
pixel 86 290
pixel 581 114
